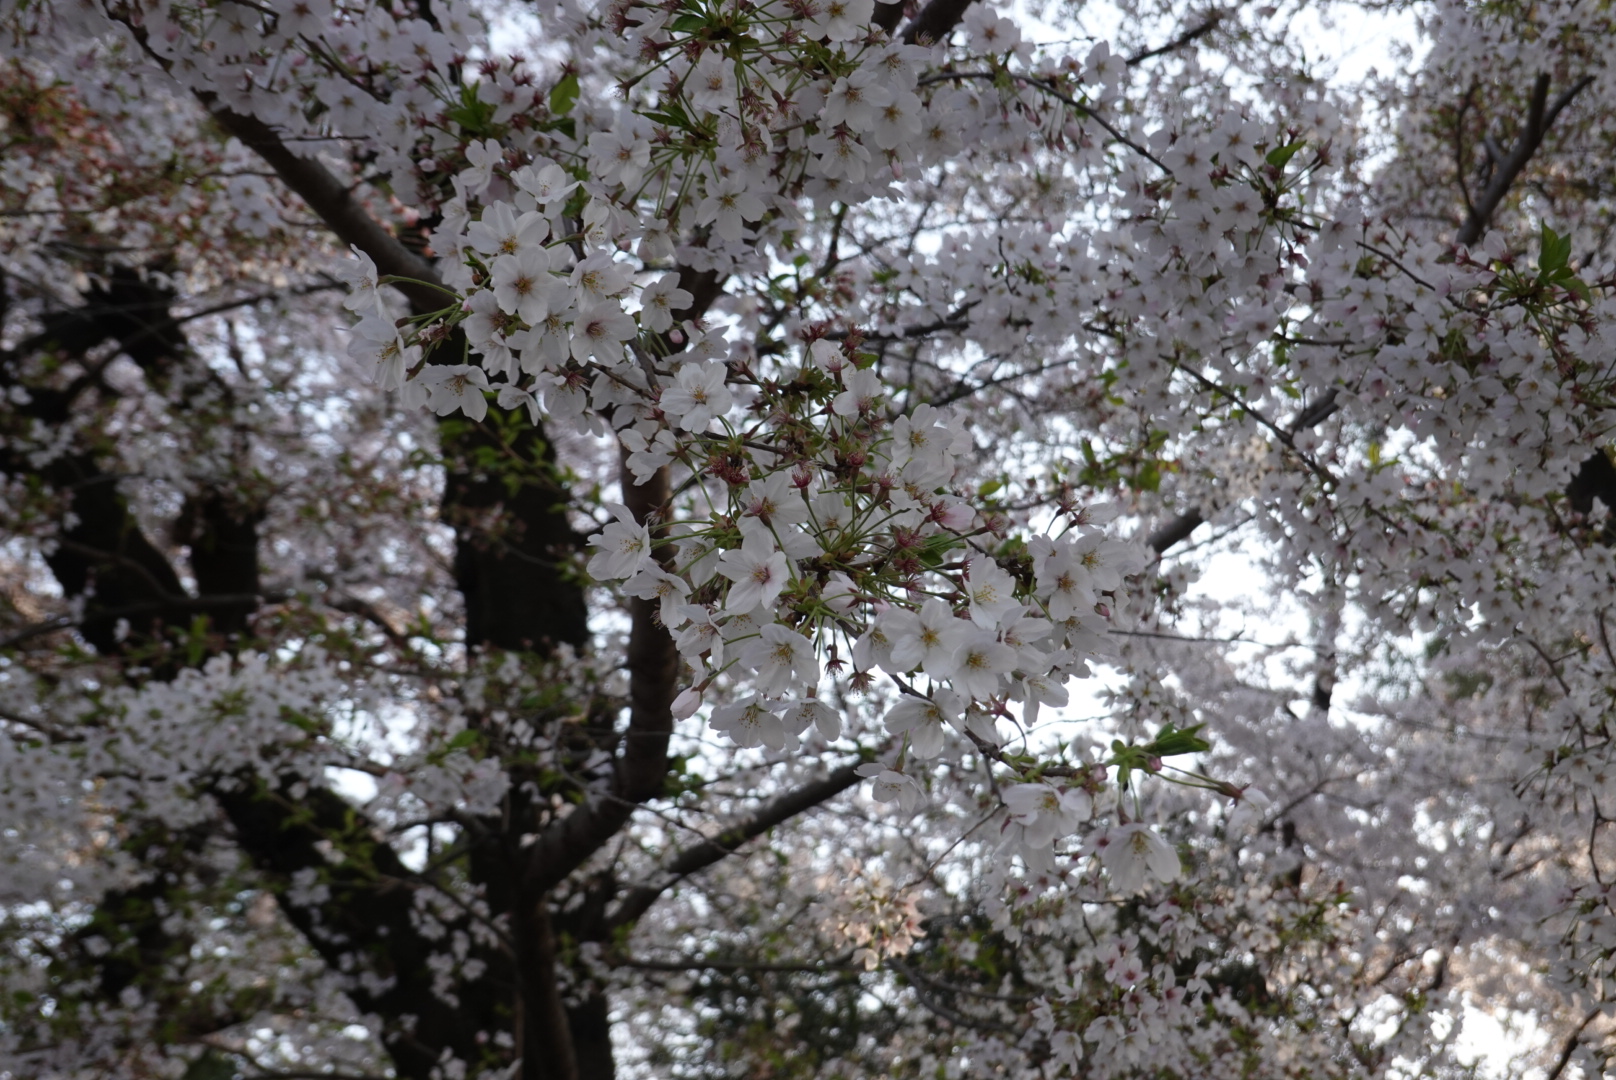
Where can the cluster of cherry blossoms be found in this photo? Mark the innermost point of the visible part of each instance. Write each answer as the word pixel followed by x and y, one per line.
pixel 692 245
pixel 867 566
pixel 827 541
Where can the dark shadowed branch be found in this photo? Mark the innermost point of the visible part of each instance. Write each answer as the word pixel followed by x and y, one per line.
pixel 1193 34
pixel 1507 167
pixel 776 812
pixel 336 205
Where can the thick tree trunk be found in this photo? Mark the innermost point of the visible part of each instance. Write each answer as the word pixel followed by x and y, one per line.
pixel 512 537
pixel 545 1042
pixel 590 1021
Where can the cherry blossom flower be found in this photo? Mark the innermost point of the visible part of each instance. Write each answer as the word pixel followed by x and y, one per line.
pixel 483 156
pixel 1130 853
pixel 991 592
pixel 523 284
pixel 623 547
pixel 659 300
pixel 359 274
pixel 758 571
pixel 841 20
pixel 501 231
pixel 889 786
pixel 780 660
pixel 618 157
pixel 600 330
pixel 729 205
pixel 855 100
pixel 599 277
pixel 978 665
pixel 512 397
pixel 377 340
pixel 924 722
pixel 841 156
pixel 799 715
pixel 547 343
pixel 654 583
pixel 863 390
pixel 750 722
pixel 544 185
pixel 1248 811
pixel 898 122
pixel 711 83
pixel 1046 813
pixel 685 704
pixel 774 501
pixel 647 455
pixel 930 639
pixel 455 388
pixel 699 395
pixel 701 634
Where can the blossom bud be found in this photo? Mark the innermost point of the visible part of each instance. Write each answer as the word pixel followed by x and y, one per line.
pixel 685 705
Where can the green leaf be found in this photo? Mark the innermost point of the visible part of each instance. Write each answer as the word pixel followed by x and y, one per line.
pixel 462 740
pixel 564 94
pixel 936 548
pixel 666 117
pixel 1279 156
pixel 1556 252
pixel 300 721
pixel 1171 740
pixel 474 115
pixel 687 24
pixel 988 488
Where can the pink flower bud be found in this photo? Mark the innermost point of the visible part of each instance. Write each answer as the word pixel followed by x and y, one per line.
pixel 685 705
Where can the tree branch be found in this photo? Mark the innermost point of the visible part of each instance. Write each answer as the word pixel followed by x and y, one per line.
pixel 692 860
pixel 935 21
pixel 1179 529
pixel 335 204
pixel 1569 1047
pixel 365 912
pixel 1191 35
pixel 653 665
pixel 919 984
pixel 698 964
pixel 1540 116
pixel 1175 531
pixel 887 16
pixel 102 615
